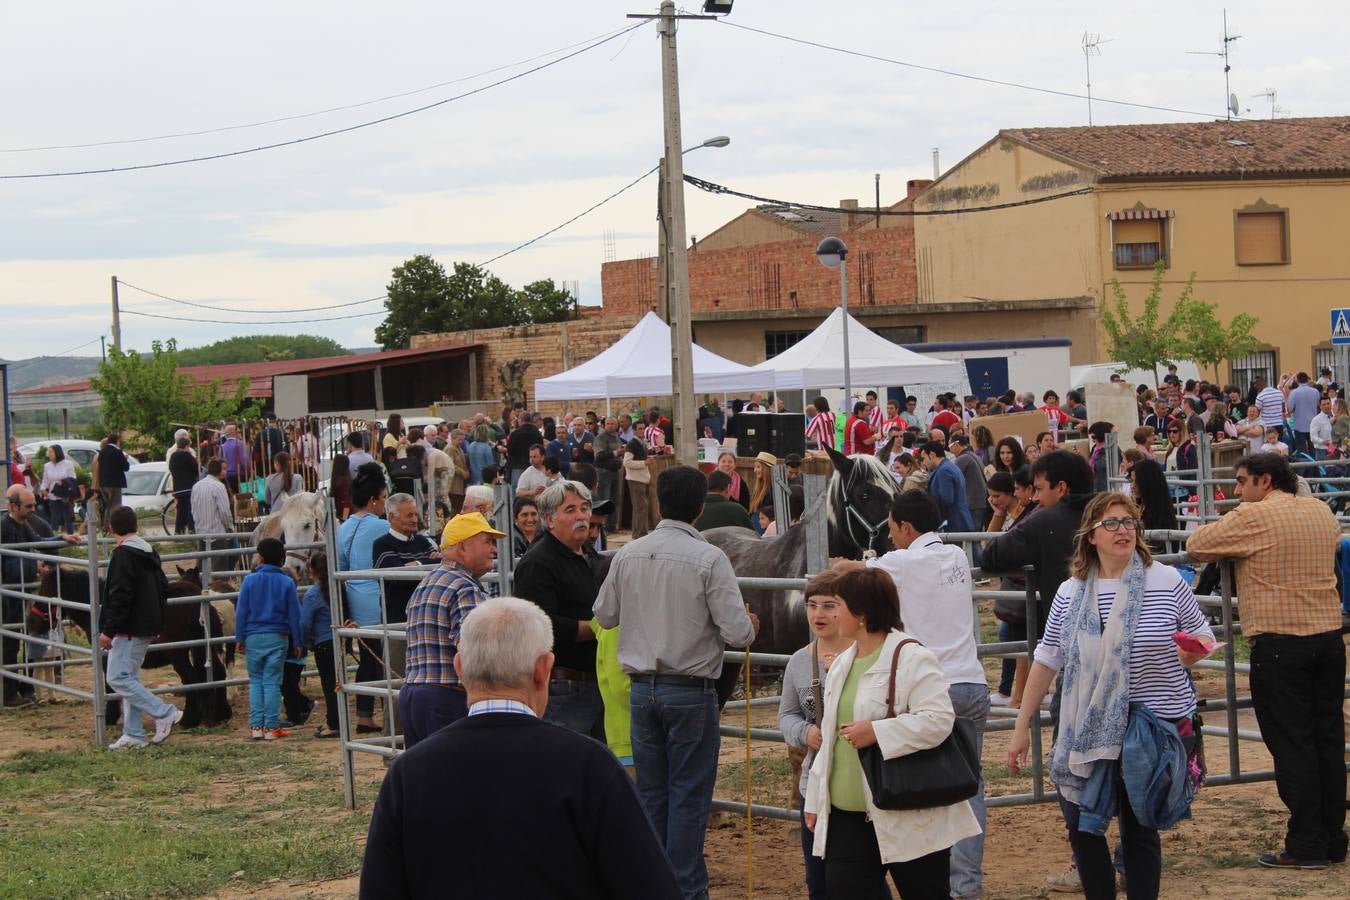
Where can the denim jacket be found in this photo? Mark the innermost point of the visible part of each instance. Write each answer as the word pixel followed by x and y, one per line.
pixel 1152 765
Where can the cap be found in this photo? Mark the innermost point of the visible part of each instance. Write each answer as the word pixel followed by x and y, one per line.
pixel 465 526
pixel 602 507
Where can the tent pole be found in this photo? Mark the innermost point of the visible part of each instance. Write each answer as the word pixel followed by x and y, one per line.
pixel 607 409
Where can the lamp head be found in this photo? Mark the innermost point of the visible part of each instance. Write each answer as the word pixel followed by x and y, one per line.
pixel 831 252
pixel 720 141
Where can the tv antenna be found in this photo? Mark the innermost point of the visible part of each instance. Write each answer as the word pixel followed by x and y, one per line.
pixel 1270 95
pixel 1092 46
pixel 1233 108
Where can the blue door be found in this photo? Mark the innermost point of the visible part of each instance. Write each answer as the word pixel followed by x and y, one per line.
pixel 988 375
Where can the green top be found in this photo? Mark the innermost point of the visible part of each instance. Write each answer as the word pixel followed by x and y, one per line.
pixel 846 777
pixel 614 689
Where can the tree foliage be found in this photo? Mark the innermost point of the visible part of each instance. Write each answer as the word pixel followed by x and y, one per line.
pixel 1206 341
pixel 146 397
pixel 261 348
pixel 422 298
pixel 1148 340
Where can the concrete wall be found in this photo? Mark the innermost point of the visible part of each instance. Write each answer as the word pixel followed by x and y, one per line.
pixel 290 395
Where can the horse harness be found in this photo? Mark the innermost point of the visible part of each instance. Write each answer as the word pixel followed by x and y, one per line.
pixel 851 513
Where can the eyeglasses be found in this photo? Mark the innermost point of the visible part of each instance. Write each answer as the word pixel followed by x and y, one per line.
pixel 825 606
pixel 1174 431
pixel 1114 525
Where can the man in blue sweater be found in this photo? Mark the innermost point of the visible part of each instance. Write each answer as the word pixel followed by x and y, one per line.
pixel 947 486
pixel 266 628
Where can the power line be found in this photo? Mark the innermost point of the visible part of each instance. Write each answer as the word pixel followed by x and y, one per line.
pixel 308 115
pixel 589 209
pixel 966 75
pixel 229 309
pixel 29 362
pixel 133 312
pixel 714 188
pixel 326 134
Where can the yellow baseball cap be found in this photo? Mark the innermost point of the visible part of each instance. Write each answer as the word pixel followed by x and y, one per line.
pixel 465 526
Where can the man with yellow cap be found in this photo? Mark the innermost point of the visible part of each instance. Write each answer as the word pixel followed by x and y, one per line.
pixel 432 696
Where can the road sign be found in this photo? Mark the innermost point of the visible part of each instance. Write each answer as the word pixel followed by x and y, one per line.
pixel 1340 326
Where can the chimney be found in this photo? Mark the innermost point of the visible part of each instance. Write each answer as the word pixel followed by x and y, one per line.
pixel 848 219
pixel 915 185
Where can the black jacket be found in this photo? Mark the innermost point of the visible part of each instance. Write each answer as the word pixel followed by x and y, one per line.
pixel 184 471
pixel 112 467
pixel 719 511
pixel 133 600
pixel 481 809
pixel 1044 541
pixel 518 444
pixel 16 568
pixel 564 586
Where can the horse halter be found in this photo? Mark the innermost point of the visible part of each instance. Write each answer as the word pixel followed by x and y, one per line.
pixel 851 513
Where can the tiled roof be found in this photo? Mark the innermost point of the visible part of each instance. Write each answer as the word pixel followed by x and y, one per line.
pixel 1262 147
pixel 821 224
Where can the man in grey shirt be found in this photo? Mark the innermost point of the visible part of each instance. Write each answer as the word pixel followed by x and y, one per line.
pixel 608 461
pixel 675 600
pixel 977 495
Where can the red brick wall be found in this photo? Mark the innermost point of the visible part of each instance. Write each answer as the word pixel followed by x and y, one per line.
pixel 765 276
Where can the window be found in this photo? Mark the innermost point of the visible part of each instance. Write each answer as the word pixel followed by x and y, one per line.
pixel 775 342
pixel 1247 368
pixel 903 334
pixel 1324 358
pixel 1261 235
pixel 1139 243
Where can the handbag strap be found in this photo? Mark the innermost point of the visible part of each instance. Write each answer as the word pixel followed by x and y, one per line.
pixel 815 685
pixel 890 687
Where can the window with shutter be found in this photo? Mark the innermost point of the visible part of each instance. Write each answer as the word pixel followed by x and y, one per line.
pixel 1261 235
pixel 1139 244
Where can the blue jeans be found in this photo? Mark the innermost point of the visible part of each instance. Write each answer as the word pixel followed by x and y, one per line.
pixel 124 676
pixel 266 655
pixel 971 701
pixel 576 706
pixel 675 744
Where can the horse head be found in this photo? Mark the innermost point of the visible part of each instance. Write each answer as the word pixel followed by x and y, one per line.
pixel 192 576
pixel 298 520
pixel 861 493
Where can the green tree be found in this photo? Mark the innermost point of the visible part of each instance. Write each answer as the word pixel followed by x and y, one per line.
pixel 261 348
pixel 1145 342
pixel 544 301
pixel 418 300
pixel 146 397
pixel 1206 341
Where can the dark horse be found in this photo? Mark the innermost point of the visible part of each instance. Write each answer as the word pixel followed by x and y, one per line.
pixel 182 622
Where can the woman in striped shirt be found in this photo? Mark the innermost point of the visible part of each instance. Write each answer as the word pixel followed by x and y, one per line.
pixel 1110 633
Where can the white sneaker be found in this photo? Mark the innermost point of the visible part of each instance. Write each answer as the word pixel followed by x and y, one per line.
pixel 165 725
pixel 1066 882
pixel 127 743
pixel 256 734
pixel 997 699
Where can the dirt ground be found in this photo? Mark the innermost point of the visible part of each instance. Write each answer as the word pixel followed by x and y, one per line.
pixel 1212 855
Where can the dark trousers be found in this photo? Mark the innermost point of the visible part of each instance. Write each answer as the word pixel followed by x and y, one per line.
pixel 815 866
pixel 1007 631
pixel 425 709
pixel 296 704
pixel 1303 442
pixel 12 609
pixel 369 667
pixel 61 516
pixel 853 864
pixel 182 520
pixel 323 661
pixel 1140 847
pixel 1298 684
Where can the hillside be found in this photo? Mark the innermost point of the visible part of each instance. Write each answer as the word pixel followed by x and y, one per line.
pixel 38 371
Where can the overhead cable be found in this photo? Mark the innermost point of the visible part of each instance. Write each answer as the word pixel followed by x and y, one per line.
pixel 230 309
pixel 134 312
pixel 714 188
pixel 29 362
pixel 309 115
pixel 326 134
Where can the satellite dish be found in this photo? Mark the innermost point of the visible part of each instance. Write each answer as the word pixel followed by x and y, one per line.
pixel 1233 106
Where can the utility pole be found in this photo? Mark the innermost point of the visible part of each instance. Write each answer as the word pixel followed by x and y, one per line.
pixel 662 251
pixel 116 318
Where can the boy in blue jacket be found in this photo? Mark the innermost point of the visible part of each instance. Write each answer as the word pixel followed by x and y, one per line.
pixel 266 630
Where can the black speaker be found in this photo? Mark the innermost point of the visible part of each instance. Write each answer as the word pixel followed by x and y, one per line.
pixel 787 434
pixel 751 431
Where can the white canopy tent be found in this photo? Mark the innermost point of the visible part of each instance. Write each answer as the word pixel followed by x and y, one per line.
pixel 816 361
pixel 638 365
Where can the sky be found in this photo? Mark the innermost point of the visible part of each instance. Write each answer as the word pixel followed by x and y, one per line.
pixel 319 224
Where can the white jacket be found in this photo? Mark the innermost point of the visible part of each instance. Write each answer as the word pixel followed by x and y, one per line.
pixel 923 719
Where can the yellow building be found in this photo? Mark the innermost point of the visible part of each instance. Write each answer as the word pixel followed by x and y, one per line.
pixel 1257 210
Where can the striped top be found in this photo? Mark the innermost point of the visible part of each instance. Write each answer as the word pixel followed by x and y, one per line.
pixel 1271 403
pixel 1286 570
pixel 1157 677
pixel 650 434
pixel 875 416
pixel 855 433
pixel 821 429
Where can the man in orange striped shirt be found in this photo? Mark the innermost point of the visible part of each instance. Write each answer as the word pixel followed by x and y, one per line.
pixel 1285 547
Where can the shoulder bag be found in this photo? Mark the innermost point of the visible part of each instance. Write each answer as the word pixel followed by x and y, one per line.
pixel 939 776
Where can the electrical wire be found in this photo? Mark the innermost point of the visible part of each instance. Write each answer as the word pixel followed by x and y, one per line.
pixel 714 188
pixel 326 134
pixel 230 309
pixel 134 312
pixel 952 73
pixel 556 228
pixel 29 362
pixel 308 115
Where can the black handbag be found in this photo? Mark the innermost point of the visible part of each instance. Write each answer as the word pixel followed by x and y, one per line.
pixel 939 776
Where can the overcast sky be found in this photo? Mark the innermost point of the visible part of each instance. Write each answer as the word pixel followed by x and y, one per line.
pixel 322 223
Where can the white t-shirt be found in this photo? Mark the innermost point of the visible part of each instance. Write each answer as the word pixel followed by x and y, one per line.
pixel 936 604
pixel 531 480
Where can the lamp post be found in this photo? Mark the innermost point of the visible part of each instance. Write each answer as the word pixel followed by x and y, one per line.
pixel 662 211
pixel 831 252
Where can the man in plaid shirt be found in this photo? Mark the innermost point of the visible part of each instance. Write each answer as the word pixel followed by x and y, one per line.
pixel 432 696
pixel 1285 546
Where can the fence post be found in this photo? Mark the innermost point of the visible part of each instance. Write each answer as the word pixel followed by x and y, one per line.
pixel 1204 463
pixel 503 499
pixel 337 612
pixel 1229 661
pixel 97 674
pixel 817 524
pixel 1033 635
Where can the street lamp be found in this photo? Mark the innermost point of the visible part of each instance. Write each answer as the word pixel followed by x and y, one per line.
pixel 831 252
pixel 662 211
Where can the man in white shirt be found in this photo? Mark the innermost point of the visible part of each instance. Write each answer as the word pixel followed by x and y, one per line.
pixel 534 479
pixel 1319 432
pixel 938 608
pixel 211 512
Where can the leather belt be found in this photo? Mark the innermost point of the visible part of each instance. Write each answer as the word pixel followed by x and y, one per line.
pixel 562 674
pixel 681 680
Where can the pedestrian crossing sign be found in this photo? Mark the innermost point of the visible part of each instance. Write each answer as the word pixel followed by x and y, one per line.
pixel 1340 326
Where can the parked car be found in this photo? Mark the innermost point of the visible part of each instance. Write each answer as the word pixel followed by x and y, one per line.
pixel 80 451
pixel 149 487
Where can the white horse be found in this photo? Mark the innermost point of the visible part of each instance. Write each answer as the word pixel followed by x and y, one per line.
pixel 298 520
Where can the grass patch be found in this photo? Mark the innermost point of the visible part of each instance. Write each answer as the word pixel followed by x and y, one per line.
pixel 178 820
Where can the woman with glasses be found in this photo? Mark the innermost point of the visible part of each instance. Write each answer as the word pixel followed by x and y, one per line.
pixel 1110 634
